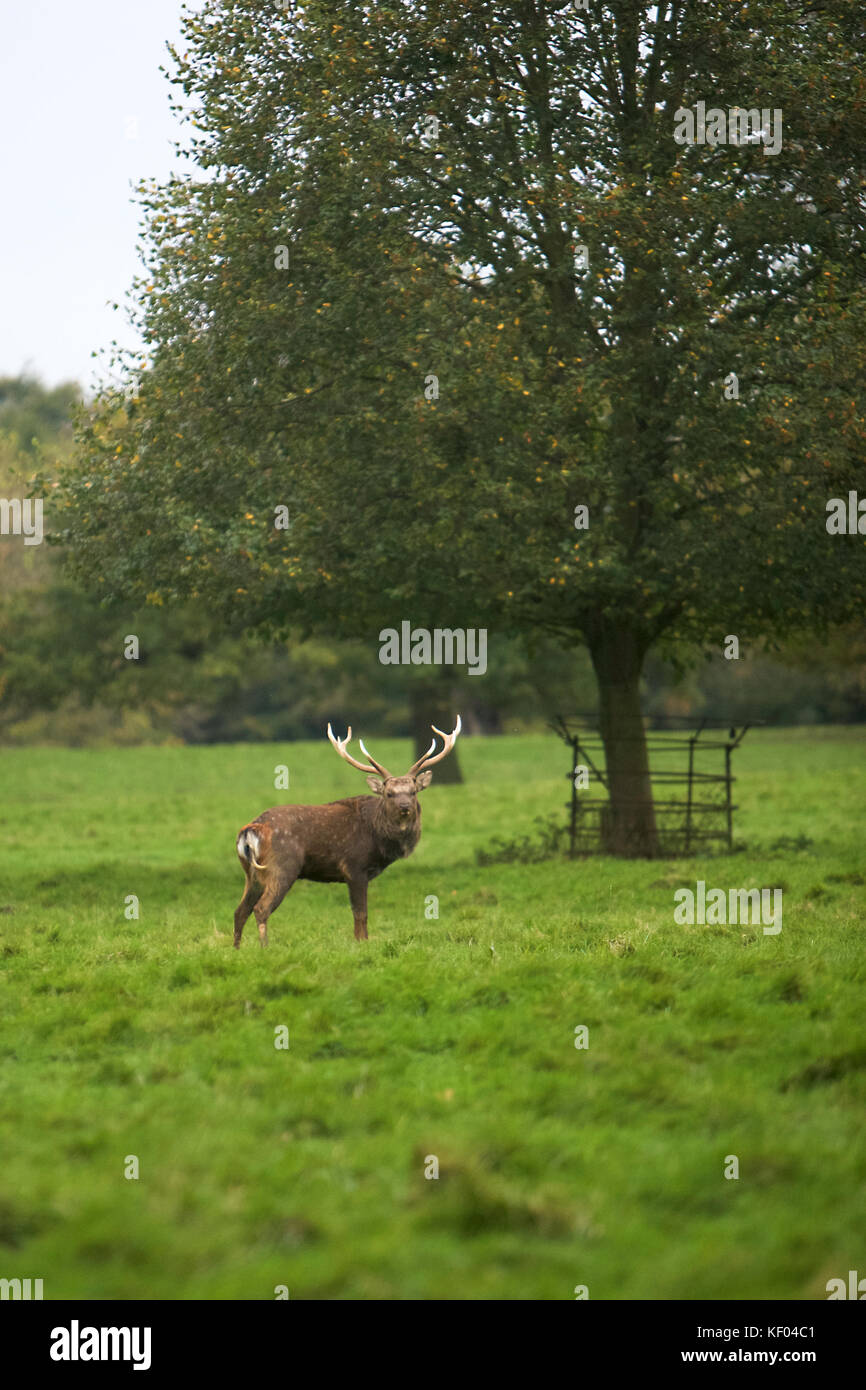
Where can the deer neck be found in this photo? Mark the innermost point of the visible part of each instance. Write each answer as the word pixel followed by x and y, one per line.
pixel 401 839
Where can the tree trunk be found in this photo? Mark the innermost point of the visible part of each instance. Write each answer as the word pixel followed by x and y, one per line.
pixel 431 702
pixel 629 829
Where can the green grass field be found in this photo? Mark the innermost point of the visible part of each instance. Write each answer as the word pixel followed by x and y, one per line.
pixel 305 1167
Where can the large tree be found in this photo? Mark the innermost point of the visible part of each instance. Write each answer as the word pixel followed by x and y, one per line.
pixel 494 194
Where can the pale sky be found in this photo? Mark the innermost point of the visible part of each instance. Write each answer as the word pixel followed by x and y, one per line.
pixel 84 113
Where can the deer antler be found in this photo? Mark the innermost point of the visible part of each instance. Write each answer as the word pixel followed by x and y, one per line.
pixel 449 742
pixel 340 745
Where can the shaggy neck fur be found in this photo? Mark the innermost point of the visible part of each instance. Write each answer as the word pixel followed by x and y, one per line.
pixel 391 831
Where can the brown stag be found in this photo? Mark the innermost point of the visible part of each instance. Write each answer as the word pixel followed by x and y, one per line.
pixel 348 841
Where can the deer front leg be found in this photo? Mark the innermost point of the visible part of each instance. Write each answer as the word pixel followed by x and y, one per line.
pixel 358 899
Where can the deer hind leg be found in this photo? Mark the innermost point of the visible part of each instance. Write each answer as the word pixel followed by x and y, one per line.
pixel 275 890
pixel 358 899
pixel 252 893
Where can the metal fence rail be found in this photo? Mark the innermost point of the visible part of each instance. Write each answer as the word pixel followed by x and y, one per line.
pixel 703 814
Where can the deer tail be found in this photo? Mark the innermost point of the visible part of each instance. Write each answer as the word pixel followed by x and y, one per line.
pixel 249 847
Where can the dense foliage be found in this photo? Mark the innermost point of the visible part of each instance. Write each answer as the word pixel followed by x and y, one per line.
pixel 581 285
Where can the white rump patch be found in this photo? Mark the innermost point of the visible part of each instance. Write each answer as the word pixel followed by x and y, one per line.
pixel 249 848
pixel 248 844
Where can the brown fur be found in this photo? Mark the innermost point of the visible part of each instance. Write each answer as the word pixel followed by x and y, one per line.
pixel 349 841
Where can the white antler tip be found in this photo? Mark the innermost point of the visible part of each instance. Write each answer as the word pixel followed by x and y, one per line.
pixel 456 730
pixel 340 745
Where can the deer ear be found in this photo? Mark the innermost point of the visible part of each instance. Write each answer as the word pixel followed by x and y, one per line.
pixel 376 785
pixel 423 780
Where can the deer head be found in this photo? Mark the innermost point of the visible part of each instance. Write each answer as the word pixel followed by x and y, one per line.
pixel 399 794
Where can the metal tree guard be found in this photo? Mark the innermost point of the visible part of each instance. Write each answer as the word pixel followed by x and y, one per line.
pixel 703 815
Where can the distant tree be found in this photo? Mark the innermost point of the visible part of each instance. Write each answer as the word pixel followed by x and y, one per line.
pixel 445 274
pixel 33 413
pixel 65 677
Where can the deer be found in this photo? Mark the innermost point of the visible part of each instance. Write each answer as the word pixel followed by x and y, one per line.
pixel 350 841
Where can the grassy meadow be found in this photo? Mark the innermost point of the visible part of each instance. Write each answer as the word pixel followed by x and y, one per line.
pixel 305 1167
